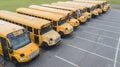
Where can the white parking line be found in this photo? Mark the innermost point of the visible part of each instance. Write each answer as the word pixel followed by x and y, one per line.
pixel 105 25
pixel 66 61
pixel 104 30
pixel 117 51
pixel 95 42
pixel 90 52
pixel 107 21
pixel 100 35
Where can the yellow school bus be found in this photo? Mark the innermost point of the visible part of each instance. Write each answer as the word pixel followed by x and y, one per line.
pixel 15 44
pixel 58 22
pixel 75 13
pixel 90 8
pixel 40 30
pixel 105 5
pixel 79 10
pixel 95 11
pixel 101 4
pixel 72 21
pixel 93 4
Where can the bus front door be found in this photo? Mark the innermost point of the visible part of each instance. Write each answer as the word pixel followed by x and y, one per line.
pixel 5 49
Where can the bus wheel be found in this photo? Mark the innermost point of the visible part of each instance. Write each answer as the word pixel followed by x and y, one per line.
pixel 15 61
pixel 44 45
pixel 61 34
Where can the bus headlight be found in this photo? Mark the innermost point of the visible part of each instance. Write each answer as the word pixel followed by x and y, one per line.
pixel 51 41
pixel 66 28
pixel 21 59
pixel 22 55
pixel 75 23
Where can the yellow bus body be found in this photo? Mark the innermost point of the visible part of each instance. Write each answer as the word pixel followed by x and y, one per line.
pixel 64 28
pixel 99 9
pixel 79 17
pixel 40 30
pixel 9 35
pixel 90 7
pixel 103 4
pixel 74 22
pixel 83 10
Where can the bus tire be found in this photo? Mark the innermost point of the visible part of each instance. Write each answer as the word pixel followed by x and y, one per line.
pixel 82 23
pixel 15 61
pixel 61 34
pixel 45 45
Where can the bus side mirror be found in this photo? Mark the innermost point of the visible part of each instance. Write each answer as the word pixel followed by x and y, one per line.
pixel 11 50
pixel 11 47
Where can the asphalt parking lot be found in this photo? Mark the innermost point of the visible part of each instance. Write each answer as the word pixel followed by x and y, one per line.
pixel 94 44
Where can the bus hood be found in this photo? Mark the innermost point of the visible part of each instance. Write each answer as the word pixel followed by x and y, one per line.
pixel 74 22
pixel 51 37
pixel 27 50
pixel 51 34
pixel 67 28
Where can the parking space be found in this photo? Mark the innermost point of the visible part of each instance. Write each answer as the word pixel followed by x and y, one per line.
pixel 94 44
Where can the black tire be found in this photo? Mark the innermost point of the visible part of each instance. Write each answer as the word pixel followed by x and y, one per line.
pixel 82 23
pixel 104 12
pixel 61 34
pixel 44 45
pixel 15 62
pixel 93 16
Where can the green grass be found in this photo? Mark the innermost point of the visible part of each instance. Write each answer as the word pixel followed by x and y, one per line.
pixel 114 1
pixel 14 4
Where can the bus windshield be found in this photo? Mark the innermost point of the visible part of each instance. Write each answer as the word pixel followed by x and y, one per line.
pixel 19 41
pixel 83 11
pixel 102 5
pixel 45 29
pixel 69 16
pixel 62 21
pixel 88 10
pixel 99 6
pixel 73 15
pixel 78 13
pixel 92 8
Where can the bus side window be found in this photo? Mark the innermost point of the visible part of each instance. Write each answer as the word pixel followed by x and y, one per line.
pixel 88 10
pixel 20 24
pixel 36 39
pixel 36 31
pixel 54 23
pixel 29 29
pixel 24 26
